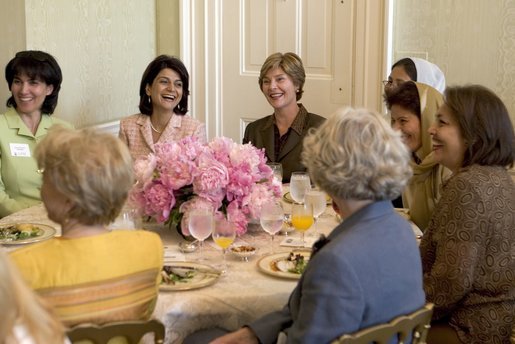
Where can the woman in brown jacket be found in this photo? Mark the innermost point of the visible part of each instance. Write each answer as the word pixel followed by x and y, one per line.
pixel 468 247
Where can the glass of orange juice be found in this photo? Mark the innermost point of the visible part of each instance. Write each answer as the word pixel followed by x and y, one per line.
pixel 302 218
pixel 223 235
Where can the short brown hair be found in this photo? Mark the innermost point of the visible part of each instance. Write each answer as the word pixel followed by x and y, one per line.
pixel 291 64
pixel 484 124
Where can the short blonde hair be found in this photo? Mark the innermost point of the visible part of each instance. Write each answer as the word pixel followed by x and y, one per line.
pixel 92 169
pixel 355 154
pixel 291 64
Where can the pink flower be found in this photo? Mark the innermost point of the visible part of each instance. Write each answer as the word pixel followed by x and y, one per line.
pixel 211 178
pixel 237 217
pixel 159 200
pixel 224 176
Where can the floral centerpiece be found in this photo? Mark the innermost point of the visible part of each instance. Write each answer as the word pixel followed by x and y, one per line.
pixel 224 176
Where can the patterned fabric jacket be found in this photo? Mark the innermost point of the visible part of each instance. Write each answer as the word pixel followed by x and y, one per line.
pixel 468 255
pixel 136 132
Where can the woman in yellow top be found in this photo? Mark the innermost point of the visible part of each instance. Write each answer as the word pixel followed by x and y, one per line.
pixel 24 317
pixel 34 79
pixel 90 274
pixel 413 107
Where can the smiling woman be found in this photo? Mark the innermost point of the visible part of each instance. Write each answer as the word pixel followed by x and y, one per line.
pixel 413 107
pixel 164 91
pixel 34 79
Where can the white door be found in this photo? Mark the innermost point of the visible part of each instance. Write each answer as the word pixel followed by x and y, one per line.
pixel 225 42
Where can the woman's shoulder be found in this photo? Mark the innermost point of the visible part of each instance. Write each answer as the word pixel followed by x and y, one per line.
pixel 133 118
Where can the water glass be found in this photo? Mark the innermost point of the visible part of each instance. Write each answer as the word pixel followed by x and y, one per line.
pixel 316 199
pixel 201 226
pixel 271 219
pixel 277 170
pixel 299 184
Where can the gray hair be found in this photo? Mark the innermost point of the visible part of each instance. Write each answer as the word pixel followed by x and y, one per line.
pixel 355 154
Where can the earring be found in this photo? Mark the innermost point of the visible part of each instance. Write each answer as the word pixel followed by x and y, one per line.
pixel 149 100
pixel 298 90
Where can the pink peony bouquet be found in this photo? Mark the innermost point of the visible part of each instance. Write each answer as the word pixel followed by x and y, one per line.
pixel 230 178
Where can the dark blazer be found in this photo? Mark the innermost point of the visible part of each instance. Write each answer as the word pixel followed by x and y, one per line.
pixel 261 134
pixel 368 273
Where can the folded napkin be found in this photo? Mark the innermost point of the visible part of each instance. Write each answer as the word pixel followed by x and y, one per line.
pixel 297 242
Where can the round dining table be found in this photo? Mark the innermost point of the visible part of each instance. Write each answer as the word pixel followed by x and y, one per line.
pixel 242 294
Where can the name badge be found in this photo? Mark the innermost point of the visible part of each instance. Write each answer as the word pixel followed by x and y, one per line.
pixel 20 149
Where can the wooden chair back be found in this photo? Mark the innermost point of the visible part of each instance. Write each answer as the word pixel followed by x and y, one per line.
pixel 132 331
pixel 414 325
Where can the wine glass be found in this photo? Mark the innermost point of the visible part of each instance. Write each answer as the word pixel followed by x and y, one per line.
pixel 200 226
pixel 317 200
pixel 223 235
pixel 302 218
pixel 277 170
pixel 271 219
pixel 299 184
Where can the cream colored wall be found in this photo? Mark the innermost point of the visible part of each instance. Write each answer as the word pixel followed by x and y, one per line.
pixel 168 27
pixel 12 31
pixel 102 48
pixel 471 40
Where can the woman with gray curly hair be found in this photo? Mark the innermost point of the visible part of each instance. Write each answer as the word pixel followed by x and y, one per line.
pixel 368 270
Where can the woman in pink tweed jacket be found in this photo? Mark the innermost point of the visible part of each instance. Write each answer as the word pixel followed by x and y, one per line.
pixel 164 92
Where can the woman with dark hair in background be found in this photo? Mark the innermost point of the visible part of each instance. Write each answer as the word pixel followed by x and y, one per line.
pixel 34 79
pixel 468 247
pixel 414 69
pixel 164 92
pixel 413 107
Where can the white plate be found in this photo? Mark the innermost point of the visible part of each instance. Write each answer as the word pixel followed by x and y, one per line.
pixel 203 275
pixel 267 264
pixel 46 232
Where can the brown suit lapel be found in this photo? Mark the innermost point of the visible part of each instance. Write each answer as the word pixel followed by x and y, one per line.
pixel 267 138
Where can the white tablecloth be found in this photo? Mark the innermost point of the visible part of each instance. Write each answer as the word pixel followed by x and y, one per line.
pixel 240 296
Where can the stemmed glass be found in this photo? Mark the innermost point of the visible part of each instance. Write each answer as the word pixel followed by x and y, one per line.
pixel 201 226
pixel 277 170
pixel 302 218
pixel 317 200
pixel 299 184
pixel 271 219
pixel 223 235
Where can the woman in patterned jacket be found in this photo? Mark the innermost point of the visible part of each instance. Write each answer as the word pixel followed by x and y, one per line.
pixel 468 247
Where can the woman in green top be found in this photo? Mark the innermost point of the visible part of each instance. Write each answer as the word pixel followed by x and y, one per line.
pixel 34 79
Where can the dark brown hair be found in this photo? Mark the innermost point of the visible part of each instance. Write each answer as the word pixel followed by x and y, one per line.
pixel 484 123
pixel 406 96
pixel 36 65
pixel 159 63
pixel 409 67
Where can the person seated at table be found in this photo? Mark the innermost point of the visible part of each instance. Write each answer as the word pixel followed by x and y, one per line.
pixel 90 274
pixel 163 91
pixel 34 79
pixel 413 107
pixel 24 318
pixel 414 69
pixel 368 270
pixel 282 80
pixel 467 249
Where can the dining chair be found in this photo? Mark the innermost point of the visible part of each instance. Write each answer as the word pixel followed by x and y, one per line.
pixel 131 331
pixel 414 325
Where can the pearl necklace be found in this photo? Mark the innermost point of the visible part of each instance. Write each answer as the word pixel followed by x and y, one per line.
pixel 154 129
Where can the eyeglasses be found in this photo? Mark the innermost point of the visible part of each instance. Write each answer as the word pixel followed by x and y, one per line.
pixel 387 83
